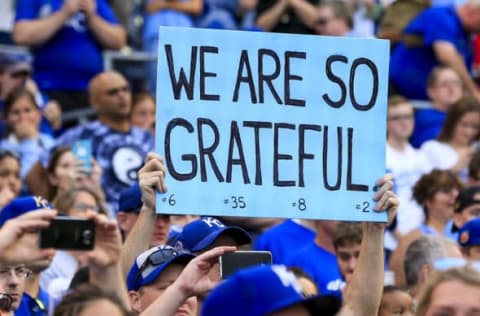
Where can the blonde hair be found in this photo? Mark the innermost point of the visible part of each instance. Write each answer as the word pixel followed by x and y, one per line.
pixel 467 275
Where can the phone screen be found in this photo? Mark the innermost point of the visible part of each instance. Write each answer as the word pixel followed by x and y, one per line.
pixel 82 149
pixel 68 233
pixel 231 262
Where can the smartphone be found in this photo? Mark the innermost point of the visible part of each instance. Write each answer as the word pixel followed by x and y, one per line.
pixel 233 261
pixel 82 150
pixel 68 233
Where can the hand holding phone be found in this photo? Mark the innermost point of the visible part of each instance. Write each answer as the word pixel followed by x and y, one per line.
pixel 68 233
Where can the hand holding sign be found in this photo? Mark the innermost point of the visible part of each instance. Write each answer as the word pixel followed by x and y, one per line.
pixel 152 178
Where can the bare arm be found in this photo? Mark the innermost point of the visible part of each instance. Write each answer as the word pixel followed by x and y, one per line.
pixel 448 55
pixel 111 36
pixel 36 180
pixel 269 18
pixel 369 269
pixel 151 178
pixel 193 7
pixel 305 11
pixel 36 32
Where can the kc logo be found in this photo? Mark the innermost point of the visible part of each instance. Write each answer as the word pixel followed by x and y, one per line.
pixel 210 221
pixel 40 202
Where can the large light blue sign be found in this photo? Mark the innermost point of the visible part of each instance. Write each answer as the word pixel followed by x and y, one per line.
pixel 271 125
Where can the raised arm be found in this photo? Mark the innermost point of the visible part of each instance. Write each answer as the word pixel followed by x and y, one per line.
pixel 305 11
pixel 270 17
pixel 192 7
pixel 369 270
pixel 152 178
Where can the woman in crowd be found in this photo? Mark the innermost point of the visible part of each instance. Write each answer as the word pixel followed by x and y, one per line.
pixel 22 117
pixel 436 192
pixel 455 145
pixel 143 111
pixel 444 88
pixel 10 183
pixel 64 170
pixel 75 202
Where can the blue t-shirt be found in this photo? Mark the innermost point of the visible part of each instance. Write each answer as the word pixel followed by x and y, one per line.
pixel 35 307
pixel 428 123
pixel 321 266
pixel 410 66
pixel 72 56
pixel 284 239
pixel 119 154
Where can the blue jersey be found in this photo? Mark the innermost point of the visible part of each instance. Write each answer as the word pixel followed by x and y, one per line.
pixel 410 66
pixel 284 239
pixel 321 266
pixel 43 305
pixel 72 56
pixel 119 154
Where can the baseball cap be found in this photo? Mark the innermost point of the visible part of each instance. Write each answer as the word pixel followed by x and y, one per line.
pixel 469 234
pixel 262 290
pixel 201 233
pixel 130 200
pixel 151 263
pixel 466 197
pixel 20 206
pixel 15 63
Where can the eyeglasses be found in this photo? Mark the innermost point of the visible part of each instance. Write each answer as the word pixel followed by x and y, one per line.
pixel 159 257
pixel 114 91
pixel 6 302
pixel 19 272
pixel 404 117
pixel 85 207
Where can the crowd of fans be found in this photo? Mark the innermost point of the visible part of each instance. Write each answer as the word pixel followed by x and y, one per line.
pixel 424 261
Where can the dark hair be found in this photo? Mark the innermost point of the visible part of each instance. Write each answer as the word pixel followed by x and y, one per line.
pixel 14 96
pixel 431 183
pixel 474 166
pixel 455 114
pixel 77 300
pixel 52 164
pixel 139 97
pixel 5 153
pixel 346 233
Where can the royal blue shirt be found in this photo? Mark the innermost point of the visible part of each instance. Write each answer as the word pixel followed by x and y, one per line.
pixel 36 307
pixel 410 66
pixel 321 266
pixel 284 239
pixel 72 56
pixel 428 124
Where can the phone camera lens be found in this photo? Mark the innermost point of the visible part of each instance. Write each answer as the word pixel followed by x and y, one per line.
pixel 87 236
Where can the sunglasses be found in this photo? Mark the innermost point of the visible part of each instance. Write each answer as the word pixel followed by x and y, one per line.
pixel 20 74
pixel 159 257
pixel 114 91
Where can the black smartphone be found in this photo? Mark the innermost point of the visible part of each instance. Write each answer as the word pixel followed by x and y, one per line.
pixel 233 261
pixel 68 233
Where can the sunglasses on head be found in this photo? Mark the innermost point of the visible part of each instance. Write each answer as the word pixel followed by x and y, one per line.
pixel 452 263
pixel 115 91
pixel 159 257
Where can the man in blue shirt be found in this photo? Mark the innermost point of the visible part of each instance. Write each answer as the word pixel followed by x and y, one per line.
pixel 67 38
pixel 437 36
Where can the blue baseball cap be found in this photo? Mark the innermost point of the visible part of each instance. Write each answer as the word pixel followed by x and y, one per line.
pixel 20 206
pixel 201 233
pixel 469 234
pixel 130 200
pixel 262 290
pixel 151 263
